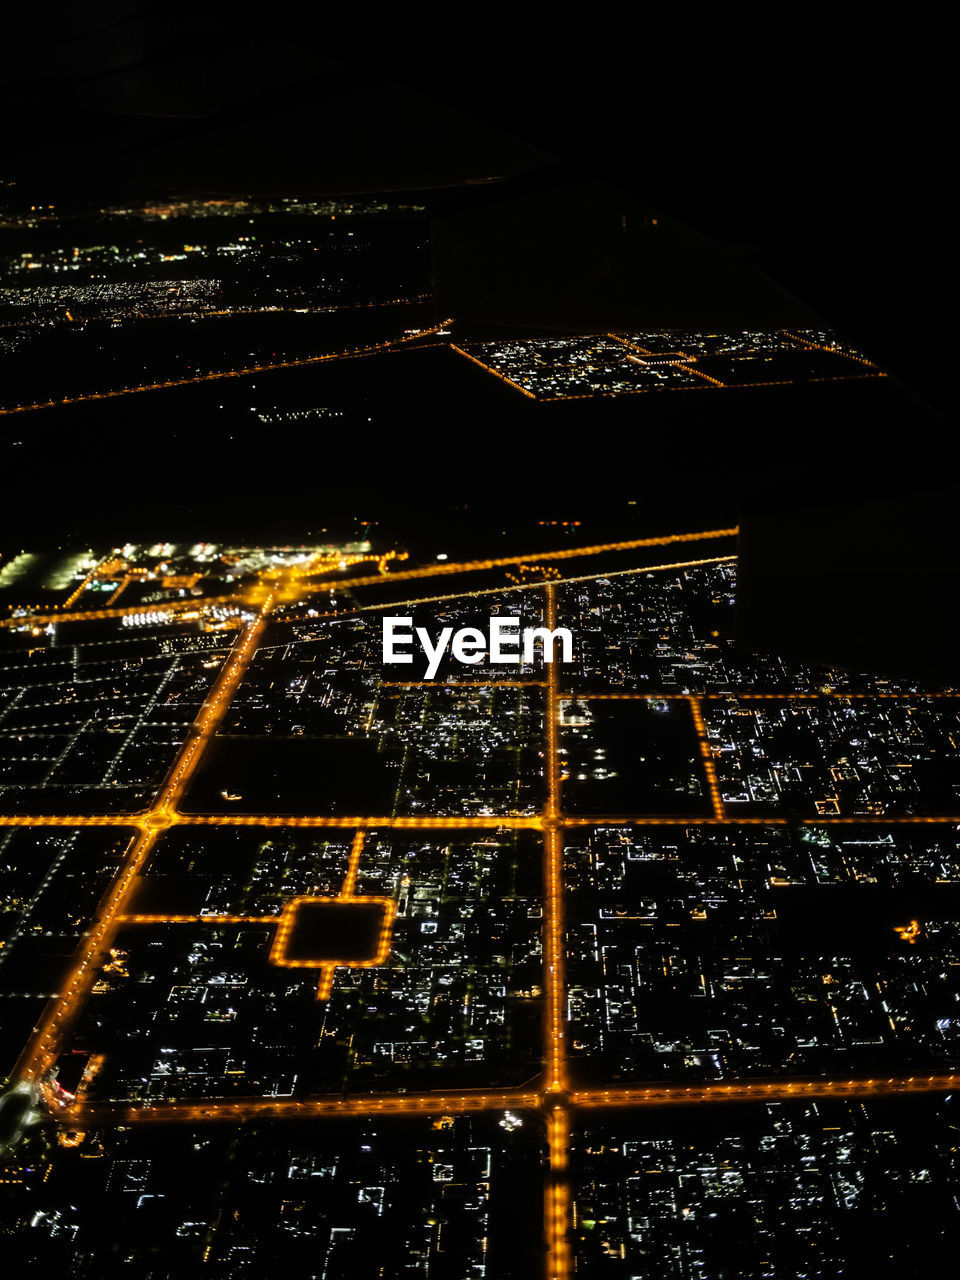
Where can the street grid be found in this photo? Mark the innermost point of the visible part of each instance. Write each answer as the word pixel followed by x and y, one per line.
pixel 552 1093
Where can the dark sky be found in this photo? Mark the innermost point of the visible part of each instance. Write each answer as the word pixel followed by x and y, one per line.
pixel 821 149
pixel 825 147
pixel 827 150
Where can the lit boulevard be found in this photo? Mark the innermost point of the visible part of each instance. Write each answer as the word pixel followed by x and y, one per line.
pixel 782 1089
pixel 304 1109
pixel 706 755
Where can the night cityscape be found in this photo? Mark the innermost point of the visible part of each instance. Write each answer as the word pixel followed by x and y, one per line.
pixel 634 960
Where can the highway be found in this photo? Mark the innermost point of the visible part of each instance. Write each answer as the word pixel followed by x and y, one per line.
pixel 267 366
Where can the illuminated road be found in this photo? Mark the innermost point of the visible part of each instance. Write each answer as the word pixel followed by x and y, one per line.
pixel 445 568
pixel 834 695
pixel 554 1030
pixel 685 362
pixel 288 1109
pixel 495 822
pixel 283 923
pixel 475 592
pixel 352 353
pixel 68 820
pixel 328 972
pixel 706 755
pixel 556 1195
pixel 762 820
pixel 816 346
pixel 556 1209
pixel 488 368
pixel 782 1089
